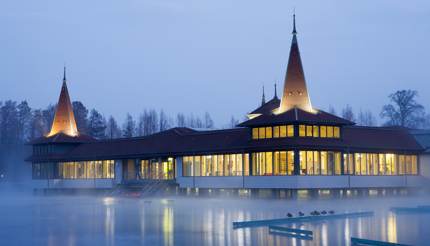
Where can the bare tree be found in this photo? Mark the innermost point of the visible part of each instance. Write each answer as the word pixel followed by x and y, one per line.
pixel 209 123
pixel 233 122
pixel 404 110
pixel 348 114
pixel 332 110
pixel 164 122
pixel 366 118
pixel 180 120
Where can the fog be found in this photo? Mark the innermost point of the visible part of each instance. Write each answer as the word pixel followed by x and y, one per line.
pixel 106 220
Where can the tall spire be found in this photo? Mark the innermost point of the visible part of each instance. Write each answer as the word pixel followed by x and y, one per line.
pixel 263 99
pixel 64 119
pixel 295 94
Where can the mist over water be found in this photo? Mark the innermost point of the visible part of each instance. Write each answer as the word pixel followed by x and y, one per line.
pixel 103 220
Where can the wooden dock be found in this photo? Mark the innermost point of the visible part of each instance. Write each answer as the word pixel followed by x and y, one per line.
pixel 259 223
pixel 291 232
pixel 368 242
pixel 419 209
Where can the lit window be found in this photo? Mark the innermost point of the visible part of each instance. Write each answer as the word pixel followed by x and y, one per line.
pixel 283 131
pixel 329 131
pixel 254 133
pixel 336 132
pixel 302 130
pixel 309 131
pixel 269 132
pixel 290 131
pixel 276 131
pixel 316 131
pixel 261 133
pixel 323 132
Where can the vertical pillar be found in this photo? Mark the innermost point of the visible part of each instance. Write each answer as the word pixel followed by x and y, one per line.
pixel 118 172
pixel 342 163
pixel 296 162
pixel 178 163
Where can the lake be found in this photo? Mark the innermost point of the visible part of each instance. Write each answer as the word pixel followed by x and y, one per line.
pixel 102 220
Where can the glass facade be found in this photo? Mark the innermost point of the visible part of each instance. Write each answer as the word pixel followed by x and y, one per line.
pixel 380 164
pixel 216 165
pixel 273 132
pixel 75 170
pixel 161 169
pixel 273 163
pixel 320 163
pixel 310 162
pixel 317 131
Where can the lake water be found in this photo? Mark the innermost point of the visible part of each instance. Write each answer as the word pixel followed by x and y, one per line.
pixel 85 220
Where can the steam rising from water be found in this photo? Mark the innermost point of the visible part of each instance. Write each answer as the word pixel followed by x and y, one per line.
pixel 106 220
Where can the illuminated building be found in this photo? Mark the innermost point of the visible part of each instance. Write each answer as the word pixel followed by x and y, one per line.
pixel 285 143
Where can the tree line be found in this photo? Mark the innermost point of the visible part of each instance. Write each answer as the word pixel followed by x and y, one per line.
pixel 402 110
pixel 20 123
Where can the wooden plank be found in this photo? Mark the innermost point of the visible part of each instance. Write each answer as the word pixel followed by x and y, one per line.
pixel 259 223
pixel 287 234
pixel 419 209
pixel 362 241
pixel 291 230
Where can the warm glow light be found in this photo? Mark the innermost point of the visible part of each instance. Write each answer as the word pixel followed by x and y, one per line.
pixel 252 116
pixel 108 201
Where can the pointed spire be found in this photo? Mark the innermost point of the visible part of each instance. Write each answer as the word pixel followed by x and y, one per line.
pixel 294 23
pixel 276 93
pixel 263 99
pixel 64 119
pixel 295 94
pixel 64 74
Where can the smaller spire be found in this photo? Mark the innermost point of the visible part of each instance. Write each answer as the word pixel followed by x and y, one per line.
pixel 263 99
pixel 276 93
pixel 294 23
pixel 64 74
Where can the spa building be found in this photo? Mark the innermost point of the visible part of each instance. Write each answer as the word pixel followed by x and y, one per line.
pixel 286 143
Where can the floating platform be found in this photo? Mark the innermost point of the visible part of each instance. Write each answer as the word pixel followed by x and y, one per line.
pixel 259 223
pixel 368 242
pixel 419 209
pixel 291 232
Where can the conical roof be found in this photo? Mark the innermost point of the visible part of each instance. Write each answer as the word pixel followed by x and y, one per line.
pixel 64 120
pixel 295 94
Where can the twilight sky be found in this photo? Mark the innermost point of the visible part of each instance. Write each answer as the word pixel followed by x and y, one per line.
pixel 194 56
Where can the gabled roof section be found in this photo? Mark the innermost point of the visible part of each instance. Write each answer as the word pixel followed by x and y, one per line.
pixel 296 115
pixel 268 107
pixel 295 92
pixel 64 120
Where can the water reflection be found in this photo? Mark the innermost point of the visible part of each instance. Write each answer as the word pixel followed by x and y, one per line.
pixel 195 221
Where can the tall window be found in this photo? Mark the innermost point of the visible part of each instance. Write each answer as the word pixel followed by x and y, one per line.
pixel 86 170
pixel 273 163
pixel 216 165
pixel 320 163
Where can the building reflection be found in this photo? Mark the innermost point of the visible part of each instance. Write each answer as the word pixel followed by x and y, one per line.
pixel 109 223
